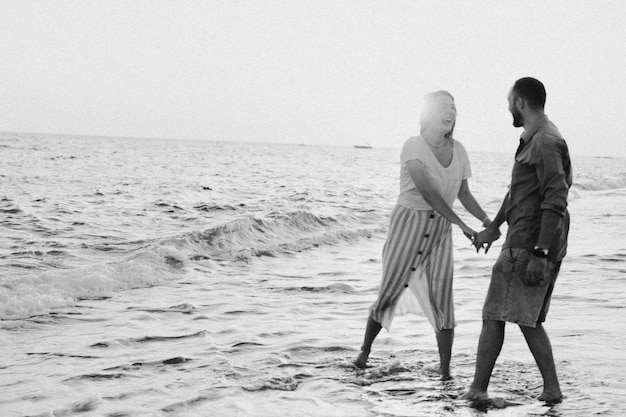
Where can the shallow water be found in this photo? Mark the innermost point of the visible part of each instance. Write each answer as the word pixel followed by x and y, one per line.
pixel 164 298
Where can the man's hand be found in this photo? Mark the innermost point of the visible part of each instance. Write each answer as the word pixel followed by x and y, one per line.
pixel 486 237
pixel 536 271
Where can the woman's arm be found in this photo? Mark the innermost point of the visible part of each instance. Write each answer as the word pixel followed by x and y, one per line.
pixel 419 175
pixel 469 202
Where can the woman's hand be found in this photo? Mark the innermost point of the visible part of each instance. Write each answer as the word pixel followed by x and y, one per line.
pixel 469 233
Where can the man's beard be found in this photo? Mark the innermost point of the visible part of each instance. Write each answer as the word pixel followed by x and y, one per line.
pixel 518 118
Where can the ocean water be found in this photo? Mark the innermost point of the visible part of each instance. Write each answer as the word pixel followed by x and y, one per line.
pixel 147 277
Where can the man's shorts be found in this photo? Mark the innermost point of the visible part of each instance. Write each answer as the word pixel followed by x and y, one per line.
pixel 509 299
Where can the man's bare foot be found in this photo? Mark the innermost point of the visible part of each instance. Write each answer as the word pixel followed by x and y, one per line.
pixel 475 395
pixel 551 397
pixel 444 375
pixel 361 360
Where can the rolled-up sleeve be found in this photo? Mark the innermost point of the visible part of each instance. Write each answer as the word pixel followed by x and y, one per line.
pixel 553 185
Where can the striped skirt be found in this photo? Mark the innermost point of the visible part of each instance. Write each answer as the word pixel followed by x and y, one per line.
pixel 417 269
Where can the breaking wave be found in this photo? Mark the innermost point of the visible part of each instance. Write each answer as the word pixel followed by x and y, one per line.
pixel 167 258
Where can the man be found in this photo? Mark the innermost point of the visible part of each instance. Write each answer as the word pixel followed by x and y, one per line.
pixel 535 210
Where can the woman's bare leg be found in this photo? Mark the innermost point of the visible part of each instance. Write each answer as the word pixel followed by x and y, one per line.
pixel 445 338
pixel 371 331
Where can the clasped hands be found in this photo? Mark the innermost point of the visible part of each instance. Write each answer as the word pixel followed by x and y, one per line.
pixel 484 238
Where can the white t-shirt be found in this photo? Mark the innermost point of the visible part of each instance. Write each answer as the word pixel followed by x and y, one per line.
pixel 446 180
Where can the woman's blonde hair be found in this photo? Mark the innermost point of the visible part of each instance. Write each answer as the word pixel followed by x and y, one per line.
pixel 429 100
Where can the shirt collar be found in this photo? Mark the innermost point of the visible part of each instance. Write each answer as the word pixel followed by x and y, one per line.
pixel 539 123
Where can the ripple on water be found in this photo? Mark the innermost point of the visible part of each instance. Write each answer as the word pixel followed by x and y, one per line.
pixel 184 308
pixel 148 339
pixel 336 287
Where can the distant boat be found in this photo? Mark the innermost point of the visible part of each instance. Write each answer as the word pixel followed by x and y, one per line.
pixel 366 146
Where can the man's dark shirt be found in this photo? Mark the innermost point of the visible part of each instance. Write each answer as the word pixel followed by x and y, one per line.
pixel 536 211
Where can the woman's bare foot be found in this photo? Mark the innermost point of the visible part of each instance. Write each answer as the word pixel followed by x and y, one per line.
pixel 361 360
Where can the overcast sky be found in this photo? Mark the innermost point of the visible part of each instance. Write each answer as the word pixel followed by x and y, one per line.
pixel 314 72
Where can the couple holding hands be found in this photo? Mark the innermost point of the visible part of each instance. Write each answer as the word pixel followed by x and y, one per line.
pixel 417 255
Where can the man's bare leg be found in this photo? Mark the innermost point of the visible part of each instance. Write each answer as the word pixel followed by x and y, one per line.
pixel 489 347
pixel 445 338
pixel 539 344
pixel 371 331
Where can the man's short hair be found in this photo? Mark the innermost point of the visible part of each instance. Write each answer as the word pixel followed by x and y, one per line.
pixel 531 90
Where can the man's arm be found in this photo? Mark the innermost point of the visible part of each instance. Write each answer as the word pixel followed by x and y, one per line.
pixel 501 216
pixel 553 187
pixel 492 232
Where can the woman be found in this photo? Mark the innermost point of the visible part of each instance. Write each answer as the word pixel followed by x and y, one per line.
pixel 417 256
